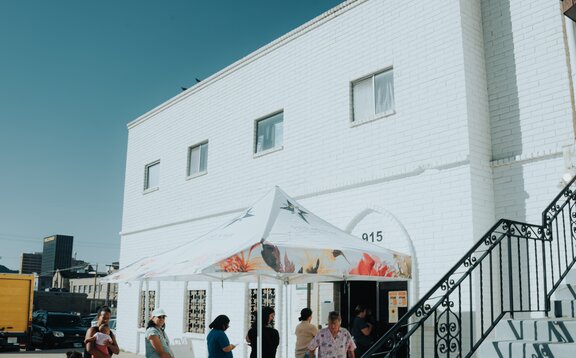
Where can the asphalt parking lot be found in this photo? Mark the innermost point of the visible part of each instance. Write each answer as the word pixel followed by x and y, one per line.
pixel 53 353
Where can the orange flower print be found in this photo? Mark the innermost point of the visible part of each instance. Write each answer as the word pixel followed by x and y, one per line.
pixel 371 266
pixel 241 262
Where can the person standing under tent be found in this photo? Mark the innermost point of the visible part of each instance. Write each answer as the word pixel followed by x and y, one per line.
pixel 333 341
pixel 270 336
pixel 305 331
pixel 361 330
pixel 218 344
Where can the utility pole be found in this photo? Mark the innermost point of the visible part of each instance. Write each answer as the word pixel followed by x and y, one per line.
pixel 95 276
pixel 108 286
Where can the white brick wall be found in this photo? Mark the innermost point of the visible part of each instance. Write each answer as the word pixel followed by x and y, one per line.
pixel 474 82
pixel 527 73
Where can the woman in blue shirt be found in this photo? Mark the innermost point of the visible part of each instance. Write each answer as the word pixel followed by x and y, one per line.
pixel 218 344
pixel 157 342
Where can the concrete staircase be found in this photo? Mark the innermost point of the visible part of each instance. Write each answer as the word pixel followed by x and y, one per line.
pixel 554 336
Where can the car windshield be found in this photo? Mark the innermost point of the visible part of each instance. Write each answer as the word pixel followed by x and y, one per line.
pixel 112 323
pixel 63 320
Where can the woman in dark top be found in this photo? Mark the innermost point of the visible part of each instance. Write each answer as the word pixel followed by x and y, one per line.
pixel 361 331
pixel 218 344
pixel 270 336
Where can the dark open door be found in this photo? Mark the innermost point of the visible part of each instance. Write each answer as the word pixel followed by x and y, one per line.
pixel 376 297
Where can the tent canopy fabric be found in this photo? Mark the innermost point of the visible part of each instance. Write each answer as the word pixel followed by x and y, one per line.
pixel 277 239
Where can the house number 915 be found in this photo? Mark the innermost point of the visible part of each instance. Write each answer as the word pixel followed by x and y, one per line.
pixel 372 236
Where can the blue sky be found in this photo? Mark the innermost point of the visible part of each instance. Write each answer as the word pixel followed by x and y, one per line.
pixel 74 73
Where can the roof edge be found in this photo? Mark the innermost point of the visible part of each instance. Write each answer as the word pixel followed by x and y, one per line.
pixel 279 42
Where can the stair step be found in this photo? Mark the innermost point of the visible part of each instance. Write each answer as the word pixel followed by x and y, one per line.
pixel 517 349
pixel 553 329
pixel 564 308
pixel 565 291
pixel 570 277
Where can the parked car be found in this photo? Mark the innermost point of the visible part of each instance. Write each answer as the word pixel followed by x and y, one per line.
pixel 87 320
pixel 57 329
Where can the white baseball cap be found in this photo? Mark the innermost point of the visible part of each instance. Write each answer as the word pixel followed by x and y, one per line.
pixel 159 312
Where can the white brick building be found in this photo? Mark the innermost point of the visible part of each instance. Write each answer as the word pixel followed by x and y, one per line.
pixel 476 128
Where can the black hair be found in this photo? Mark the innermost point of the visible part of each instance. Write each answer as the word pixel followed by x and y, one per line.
pixel 104 309
pixel 359 309
pixel 73 354
pixel 266 312
pixel 152 324
pixel 305 314
pixel 220 323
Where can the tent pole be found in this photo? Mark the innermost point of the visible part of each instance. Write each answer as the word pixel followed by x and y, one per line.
pixel 287 314
pixel 259 318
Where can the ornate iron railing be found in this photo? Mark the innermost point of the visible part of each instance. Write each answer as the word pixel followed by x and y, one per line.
pixel 514 268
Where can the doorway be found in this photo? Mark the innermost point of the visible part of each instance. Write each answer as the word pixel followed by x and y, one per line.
pixel 387 302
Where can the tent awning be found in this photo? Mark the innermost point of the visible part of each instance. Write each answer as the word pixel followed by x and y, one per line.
pixel 280 241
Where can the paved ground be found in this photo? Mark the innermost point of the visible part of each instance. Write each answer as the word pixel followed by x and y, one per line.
pixel 56 353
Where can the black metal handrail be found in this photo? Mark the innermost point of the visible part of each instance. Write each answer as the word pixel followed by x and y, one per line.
pixel 514 268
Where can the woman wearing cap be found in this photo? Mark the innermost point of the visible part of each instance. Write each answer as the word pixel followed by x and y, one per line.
pixel 305 331
pixel 157 343
pixel 218 344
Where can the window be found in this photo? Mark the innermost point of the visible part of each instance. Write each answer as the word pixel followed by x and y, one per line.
pixel 197 159
pixel 152 175
pixel 269 132
pixel 268 299
pixel 151 304
pixel 373 96
pixel 196 309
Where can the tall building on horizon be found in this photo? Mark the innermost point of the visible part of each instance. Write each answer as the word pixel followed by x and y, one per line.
pixel 57 254
pixel 31 262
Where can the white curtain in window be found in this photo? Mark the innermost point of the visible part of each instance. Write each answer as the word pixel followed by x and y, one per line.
pixel 265 138
pixel 278 133
pixel 362 100
pixel 153 176
pixel 194 160
pixel 270 132
pixel 384 92
pixel 203 157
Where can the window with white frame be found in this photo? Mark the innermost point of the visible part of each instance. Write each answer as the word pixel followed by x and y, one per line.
pixel 196 309
pixel 197 159
pixel 269 132
pixel 373 96
pixel 152 175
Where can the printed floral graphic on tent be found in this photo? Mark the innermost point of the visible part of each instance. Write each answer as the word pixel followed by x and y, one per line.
pixel 268 257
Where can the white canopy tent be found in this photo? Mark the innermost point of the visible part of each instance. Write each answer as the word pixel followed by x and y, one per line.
pixel 277 241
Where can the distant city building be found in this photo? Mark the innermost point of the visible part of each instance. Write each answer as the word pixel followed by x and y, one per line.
pixel 31 262
pixel 57 254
